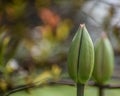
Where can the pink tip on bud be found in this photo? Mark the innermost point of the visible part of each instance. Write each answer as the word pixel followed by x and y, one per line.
pixel 82 25
pixel 103 35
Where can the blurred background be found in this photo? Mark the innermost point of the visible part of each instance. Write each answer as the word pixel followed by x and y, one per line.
pixel 35 36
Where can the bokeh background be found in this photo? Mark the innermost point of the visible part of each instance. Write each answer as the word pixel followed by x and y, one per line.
pixel 35 36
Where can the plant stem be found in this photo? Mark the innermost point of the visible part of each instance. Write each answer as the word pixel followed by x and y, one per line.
pixel 101 91
pixel 80 89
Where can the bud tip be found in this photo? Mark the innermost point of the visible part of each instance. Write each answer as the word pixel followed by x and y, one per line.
pixel 82 25
pixel 103 35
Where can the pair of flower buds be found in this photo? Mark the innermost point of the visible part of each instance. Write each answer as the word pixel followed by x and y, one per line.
pixel 85 61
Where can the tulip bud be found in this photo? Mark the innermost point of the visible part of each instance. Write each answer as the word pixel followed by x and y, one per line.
pixel 81 56
pixel 104 60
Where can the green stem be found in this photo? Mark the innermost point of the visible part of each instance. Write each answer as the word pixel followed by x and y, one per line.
pixel 101 91
pixel 80 89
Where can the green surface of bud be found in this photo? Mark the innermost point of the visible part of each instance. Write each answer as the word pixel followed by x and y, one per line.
pixel 81 56
pixel 104 60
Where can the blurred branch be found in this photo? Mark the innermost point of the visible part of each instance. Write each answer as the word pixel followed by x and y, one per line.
pixel 71 83
pixel 106 2
pixel 89 16
pixel 60 82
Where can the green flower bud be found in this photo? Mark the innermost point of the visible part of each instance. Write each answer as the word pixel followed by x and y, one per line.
pixel 104 60
pixel 81 56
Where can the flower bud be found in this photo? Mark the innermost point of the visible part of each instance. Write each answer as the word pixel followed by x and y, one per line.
pixel 104 60
pixel 81 56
